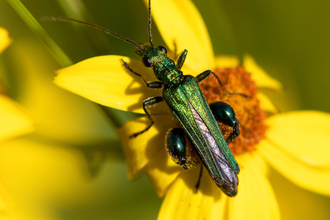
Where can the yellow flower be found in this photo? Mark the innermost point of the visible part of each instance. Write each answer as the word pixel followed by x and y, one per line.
pixel 14 121
pixel 295 144
pixel 5 40
pixel 50 173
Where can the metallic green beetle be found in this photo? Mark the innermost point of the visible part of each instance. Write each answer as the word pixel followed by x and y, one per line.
pixel 183 95
pixel 197 118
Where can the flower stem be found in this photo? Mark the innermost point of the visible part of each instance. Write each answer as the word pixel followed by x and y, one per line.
pixel 35 26
pixel 57 52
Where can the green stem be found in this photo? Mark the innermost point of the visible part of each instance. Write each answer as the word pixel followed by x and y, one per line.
pixel 34 25
pixel 57 52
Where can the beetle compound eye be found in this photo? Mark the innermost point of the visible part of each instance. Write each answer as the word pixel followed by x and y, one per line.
pixel 146 61
pixel 162 48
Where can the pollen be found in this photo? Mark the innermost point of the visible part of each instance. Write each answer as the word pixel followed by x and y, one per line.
pixel 250 116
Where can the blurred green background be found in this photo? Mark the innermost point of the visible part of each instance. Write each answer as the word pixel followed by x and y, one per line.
pixel 289 39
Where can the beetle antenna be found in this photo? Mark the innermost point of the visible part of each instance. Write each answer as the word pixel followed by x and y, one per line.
pixel 93 26
pixel 149 24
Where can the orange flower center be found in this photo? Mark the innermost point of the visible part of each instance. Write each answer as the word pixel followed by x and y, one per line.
pixel 249 114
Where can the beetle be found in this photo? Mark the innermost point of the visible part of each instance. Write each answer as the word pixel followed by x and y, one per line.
pixel 198 119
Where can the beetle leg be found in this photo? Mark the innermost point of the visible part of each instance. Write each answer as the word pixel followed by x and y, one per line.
pixel 180 148
pixel 234 133
pixel 225 114
pixel 152 85
pixel 147 102
pixel 199 179
pixel 206 73
pixel 181 59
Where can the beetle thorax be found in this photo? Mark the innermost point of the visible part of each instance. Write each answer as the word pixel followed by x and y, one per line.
pixel 166 71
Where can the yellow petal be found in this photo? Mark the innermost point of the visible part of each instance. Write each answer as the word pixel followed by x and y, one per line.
pixel 259 75
pixel 266 104
pixel 301 155
pixel 162 171
pixel 226 61
pixel 180 23
pixel 301 174
pixel 182 201
pixel 255 198
pixel 104 80
pixel 292 198
pixel 46 180
pixel 5 201
pixel 4 39
pixel 20 157
pixel 14 120
pixel 143 148
pixel 58 114
pixel 304 135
